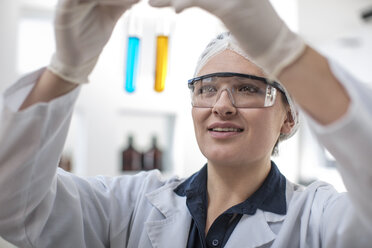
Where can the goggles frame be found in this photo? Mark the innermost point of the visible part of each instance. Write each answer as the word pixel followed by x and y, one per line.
pixel 273 84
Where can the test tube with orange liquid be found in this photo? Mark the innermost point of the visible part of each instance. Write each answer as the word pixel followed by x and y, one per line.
pixel 161 62
pixel 163 27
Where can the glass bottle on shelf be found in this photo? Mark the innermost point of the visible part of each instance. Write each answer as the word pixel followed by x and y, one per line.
pixel 131 158
pixel 152 159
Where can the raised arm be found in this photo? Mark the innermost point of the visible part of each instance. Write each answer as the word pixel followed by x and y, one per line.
pixel 48 87
pixel 33 196
pixel 315 88
pixel 82 29
pixel 282 54
pixel 337 106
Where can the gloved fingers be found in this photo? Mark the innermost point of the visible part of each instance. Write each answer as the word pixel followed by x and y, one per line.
pixel 160 3
pixel 69 16
pixel 116 2
pixel 82 29
pixel 73 15
pixel 115 12
pixel 178 5
pixel 67 3
pixel 115 8
pixel 73 3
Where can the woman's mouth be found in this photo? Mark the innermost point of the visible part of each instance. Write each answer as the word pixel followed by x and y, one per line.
pixel 223 131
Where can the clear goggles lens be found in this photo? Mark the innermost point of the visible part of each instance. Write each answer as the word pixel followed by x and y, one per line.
pixel 244 90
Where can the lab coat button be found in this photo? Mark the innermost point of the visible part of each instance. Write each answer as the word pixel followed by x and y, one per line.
pixel 215 242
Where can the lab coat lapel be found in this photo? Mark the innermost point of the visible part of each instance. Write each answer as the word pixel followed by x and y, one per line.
pixel 171 228
pixel 254 230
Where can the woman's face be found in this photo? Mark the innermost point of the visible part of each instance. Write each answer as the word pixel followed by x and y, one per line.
pixel 254 131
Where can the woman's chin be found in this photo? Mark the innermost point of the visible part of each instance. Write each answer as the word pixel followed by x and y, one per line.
pixel 223 158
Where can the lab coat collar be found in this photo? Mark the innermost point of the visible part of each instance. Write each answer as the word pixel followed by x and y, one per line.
pixel 253 231
pixel 271 196
pixel 173 228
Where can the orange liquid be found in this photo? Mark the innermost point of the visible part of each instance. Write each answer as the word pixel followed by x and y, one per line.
pixel 161 62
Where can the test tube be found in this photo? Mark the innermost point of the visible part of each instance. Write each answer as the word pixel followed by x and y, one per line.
pixel 133 50
pixel 161 62
pixel 163 27
pixel 132 63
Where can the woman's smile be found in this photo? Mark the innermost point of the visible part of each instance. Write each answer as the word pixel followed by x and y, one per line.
pixel 223 130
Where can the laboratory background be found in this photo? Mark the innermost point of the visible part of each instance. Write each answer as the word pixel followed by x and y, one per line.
pixel 135 114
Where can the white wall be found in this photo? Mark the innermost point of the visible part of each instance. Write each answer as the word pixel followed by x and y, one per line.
pixel 8 31
pixel 98 131
pixel 4 244
pixel 335 27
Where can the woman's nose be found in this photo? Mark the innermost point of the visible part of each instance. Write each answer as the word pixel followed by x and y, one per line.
pixel 224 105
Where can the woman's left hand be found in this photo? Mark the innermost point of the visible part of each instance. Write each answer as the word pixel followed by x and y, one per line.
pixel 257 27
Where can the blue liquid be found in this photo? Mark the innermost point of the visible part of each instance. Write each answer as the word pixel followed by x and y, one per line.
pixel 132 64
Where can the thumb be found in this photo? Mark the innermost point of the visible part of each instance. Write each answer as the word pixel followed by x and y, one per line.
pixel 117 2
pixel 160 3
pixel 178 5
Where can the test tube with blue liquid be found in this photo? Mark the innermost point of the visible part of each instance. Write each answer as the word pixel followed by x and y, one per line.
pixel 133 51
pixel 132 63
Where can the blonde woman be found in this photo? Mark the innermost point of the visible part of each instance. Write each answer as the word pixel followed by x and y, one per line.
pixel 239 198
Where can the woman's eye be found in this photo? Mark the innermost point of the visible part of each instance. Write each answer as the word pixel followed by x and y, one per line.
pixel 249 89
pixel 206 89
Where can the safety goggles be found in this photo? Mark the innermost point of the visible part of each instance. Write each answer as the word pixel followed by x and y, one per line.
pixel 244 90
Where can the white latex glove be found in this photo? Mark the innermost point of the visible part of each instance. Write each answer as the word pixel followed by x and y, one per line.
pixel 82 29
pixel 257 27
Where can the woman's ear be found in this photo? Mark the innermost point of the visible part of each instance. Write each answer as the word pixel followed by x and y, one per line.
pixel 288 123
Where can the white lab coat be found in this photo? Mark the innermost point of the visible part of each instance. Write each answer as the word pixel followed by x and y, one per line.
pixel 42 208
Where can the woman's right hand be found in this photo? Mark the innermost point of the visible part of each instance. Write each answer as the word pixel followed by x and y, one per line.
pixel 82 29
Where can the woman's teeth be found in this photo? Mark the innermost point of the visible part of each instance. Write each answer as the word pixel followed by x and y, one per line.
pixel 226 129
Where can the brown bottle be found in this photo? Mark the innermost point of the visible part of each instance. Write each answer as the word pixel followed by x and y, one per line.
pixel 131 158
pixel 152 159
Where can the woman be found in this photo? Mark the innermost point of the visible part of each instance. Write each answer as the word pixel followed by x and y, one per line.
pixel 237 125
pixel 239 199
